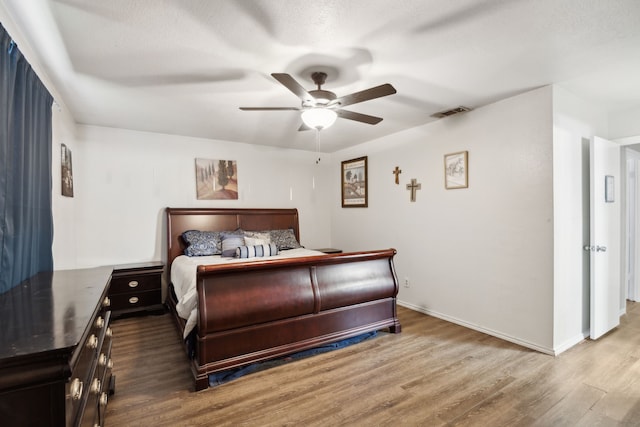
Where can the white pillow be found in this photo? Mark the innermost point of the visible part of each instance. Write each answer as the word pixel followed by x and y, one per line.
pixel 254 238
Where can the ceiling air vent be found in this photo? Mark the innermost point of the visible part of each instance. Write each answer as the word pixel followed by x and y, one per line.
pixel 451 112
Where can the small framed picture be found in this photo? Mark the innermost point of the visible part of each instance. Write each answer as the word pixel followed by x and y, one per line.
pixel 66 168
pixel 456 173
pixel 354 183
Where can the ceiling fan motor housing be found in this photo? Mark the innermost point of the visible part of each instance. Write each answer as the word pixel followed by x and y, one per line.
pixel 319 78
pixel 321 98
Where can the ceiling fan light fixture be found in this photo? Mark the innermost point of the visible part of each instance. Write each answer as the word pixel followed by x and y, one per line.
pixel 319 117
pixel 320 108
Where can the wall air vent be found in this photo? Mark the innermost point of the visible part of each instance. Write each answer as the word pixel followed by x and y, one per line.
pixel 451 112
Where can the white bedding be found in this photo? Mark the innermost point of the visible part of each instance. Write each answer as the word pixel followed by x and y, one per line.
pixel 183 277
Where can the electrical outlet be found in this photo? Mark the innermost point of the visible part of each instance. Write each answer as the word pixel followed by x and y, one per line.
pixel 406 282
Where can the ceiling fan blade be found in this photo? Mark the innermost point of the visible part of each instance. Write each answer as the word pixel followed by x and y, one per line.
pixel 365 95
pixel 290 83
pixel 303 127
pixel 269 108
pixel 358 117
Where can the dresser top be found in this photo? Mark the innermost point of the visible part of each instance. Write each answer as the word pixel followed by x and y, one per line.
pixel 49 312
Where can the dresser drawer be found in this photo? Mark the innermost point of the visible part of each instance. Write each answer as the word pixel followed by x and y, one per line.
pixel 77 388
pixel 96 405
pixel 98 393
pixel 105 364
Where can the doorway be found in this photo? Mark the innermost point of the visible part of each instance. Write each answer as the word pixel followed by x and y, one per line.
pixel 632 271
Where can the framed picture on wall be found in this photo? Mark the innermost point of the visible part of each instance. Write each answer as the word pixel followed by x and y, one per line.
pixel 216 179
pixel 66 168
pixel 456 173
pixel 354 183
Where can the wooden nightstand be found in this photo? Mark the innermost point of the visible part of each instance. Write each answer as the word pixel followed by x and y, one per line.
pixel 329 250
pixel 136 288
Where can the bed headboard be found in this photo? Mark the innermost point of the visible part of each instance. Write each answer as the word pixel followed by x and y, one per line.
pixel 180 220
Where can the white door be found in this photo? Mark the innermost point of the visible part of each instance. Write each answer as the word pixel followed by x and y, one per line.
pixel 605 236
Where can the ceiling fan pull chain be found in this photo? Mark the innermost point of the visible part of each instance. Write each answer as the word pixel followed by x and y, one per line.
pixel 318 144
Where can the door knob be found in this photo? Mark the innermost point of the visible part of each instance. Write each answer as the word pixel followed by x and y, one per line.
pixel 596 248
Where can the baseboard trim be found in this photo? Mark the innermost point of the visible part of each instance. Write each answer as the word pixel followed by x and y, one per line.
pixel 478 328
pixel 571 342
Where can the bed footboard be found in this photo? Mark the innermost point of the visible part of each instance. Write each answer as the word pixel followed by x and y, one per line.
pixel 255 311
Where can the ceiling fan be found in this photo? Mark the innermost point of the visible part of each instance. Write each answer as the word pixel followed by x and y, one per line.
pixel 320 108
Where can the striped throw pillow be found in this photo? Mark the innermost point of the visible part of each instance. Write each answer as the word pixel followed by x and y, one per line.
pixel 256 251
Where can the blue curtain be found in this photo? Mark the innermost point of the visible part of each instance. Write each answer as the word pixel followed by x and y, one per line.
pixel 26 221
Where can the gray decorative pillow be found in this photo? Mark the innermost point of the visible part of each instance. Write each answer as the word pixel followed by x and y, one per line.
pixel 284 239
pixel 202 243
pixel 230 242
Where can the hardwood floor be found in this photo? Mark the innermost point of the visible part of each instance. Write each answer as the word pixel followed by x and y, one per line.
pixel 432 374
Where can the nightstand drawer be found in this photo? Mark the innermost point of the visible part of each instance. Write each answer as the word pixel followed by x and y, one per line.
pixel 134 283
pixel 135 300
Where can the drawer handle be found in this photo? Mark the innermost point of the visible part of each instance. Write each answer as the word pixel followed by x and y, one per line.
pixel 133 284
pixel 76 389
pixel 92 342
pixel 99 322
pixel 105 362
pixel 104 398
pixel 134 300
pixel 109 332
pixel 96 386
pixel 106 302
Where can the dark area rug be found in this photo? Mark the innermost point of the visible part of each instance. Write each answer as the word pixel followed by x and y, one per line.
pixel 223 377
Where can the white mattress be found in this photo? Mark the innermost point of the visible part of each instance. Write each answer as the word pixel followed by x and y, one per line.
pixel 183 277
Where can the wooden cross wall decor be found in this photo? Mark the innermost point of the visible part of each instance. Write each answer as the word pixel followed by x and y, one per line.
pixel 397 171
pixel 414 186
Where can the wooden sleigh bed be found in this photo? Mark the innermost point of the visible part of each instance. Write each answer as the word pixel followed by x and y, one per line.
pixel 270 307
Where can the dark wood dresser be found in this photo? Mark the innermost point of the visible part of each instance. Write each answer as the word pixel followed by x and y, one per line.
pixel 136 288
pixel 55 348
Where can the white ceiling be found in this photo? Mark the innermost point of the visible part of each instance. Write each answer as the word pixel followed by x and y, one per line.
pixel 185 66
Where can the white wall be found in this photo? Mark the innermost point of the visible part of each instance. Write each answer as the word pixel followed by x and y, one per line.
pixel 125 179
pixel 63 208
pixel 482 256
pixel 624 124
